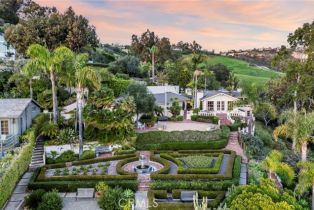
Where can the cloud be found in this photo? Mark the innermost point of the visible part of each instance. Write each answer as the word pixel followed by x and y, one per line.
pixel 218 24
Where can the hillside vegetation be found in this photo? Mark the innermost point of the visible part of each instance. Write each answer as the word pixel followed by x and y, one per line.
pixel 244 71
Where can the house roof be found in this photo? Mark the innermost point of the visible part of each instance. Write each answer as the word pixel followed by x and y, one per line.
pixel 160 97
pixel 12 108
pixel 211 93
pixel 161 89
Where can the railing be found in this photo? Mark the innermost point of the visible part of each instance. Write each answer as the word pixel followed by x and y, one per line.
pixel 7 143
pixel 207 113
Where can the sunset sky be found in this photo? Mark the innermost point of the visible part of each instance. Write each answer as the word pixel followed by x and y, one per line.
pixel 215 24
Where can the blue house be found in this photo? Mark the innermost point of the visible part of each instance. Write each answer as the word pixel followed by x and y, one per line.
pixel 16 116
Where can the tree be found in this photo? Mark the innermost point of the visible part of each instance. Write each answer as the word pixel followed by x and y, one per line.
pixel 126 65
pixel 84 77
pixel 8 10
pixel 153 50
pixel 162 78
pixel 266 112
pixel 175 108
pixel 232 82
pixel 50 63
pixel 144 100
pixel 264 196
pixel 46 26
pixel 299 126
pixel 222 74
pixel 272 162
pixel 30 71
pixel 306 178
pixel 196 74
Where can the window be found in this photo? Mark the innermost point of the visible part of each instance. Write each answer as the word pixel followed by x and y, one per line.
pixel 222 106
pixel 4 127
pixel 218 105
pixel 230 105
pixel 210 106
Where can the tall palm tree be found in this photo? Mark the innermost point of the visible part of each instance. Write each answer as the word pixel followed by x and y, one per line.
pixel 162 78
pixel 196 74
pixel 153 51
pixel 50 63
pixel 306 178
pixel 299 126
pixel 84 77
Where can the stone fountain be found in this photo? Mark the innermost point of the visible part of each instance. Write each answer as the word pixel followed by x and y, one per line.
pixel 143 168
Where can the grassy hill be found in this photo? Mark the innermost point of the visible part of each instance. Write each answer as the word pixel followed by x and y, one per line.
pixel 244 71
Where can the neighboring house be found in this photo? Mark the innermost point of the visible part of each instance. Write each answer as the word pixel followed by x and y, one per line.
pixel 16 116
pixel 6 51
pixel 172 93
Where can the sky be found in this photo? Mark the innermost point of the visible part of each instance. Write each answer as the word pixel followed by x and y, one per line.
pixel 215 24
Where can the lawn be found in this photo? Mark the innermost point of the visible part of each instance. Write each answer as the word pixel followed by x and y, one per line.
pixel 244 71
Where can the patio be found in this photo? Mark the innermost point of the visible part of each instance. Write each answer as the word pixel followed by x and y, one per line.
pixel 180 126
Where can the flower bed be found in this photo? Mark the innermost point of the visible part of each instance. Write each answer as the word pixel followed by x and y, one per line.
pixel 207 119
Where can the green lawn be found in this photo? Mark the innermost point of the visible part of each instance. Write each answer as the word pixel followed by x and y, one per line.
pixel 244 71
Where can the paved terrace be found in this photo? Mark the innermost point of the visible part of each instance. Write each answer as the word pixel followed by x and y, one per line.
pixel 180 126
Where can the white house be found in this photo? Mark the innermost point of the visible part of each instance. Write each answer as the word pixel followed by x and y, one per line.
pixel 6 51
pixel 16 116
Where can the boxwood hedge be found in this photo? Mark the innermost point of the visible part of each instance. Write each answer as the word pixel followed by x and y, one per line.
pixel 207 119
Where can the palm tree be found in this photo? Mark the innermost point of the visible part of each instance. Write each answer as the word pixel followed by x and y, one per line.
pixel 29 70
pixel 196 74
pixel 153 50
pixel 50 63
pixel 84 77
pixel 299 126
pixel 272 161
pixel 306 178
pixel 162 77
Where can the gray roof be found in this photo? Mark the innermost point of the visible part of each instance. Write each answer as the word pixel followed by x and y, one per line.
pixel 160 97
pixel 13 108
pixel 211 93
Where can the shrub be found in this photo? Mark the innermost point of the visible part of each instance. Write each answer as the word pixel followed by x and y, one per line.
pixel 112 199
pixel 286 174
pixel 148 119
pixel 256 172
pixel 196 111
pixel 67 156
pixel 50 130
pixel 207 119
pixel 101 187
pixel 32 201
pixel 88 154
pixel 16 169
pixel 50 201
pixel 67 136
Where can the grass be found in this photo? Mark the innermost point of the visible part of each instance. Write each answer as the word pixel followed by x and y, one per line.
pixel 197 161
pixel 244 71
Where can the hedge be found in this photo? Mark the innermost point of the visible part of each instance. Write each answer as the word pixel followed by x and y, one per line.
pixel 16 169
pixel 91 161
pixel 119 166
pixel 183 140
pixel 207 119
pixel 72 184
pixel 164 162
pixel 201 185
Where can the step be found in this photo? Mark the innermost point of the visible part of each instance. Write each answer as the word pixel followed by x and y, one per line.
pixel 37 162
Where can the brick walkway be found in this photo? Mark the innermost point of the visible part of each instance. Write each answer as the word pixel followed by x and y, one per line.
pixel 234 145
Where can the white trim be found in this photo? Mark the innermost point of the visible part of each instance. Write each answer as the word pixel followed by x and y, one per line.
pixel 217 95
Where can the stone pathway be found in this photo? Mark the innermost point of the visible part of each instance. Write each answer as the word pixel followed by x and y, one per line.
pixel 141 200
pixel 70 203
pixel 234 145
pixel 112 170
pixel 243 174
pixel 17 197
pixel 224 163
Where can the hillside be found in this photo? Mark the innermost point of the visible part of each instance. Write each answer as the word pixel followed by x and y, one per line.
pixel 244 71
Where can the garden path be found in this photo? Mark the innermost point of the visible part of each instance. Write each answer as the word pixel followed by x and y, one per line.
pixel 234 145
pixel 224 163
pixel 17 197
pixel 112 168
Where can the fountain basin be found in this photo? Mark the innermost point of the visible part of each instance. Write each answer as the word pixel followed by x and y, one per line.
pixel 143 169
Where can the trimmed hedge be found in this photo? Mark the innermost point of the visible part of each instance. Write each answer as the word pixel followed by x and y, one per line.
pixel 164 162
pixel 207 119
pixel 182 140
pixel 75 182
pixel 16 169
pixel 119 166
pixel 91 161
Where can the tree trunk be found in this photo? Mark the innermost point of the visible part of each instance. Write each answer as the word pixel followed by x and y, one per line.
pixel 303 151
pixel 153 67
pixel 165 108
pixel 30 88
pixel 54 97
pixel 79 94
pixel 269 174
pixel 195 94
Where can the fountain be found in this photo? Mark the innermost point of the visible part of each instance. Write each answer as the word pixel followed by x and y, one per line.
pixel 143 168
